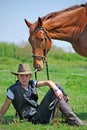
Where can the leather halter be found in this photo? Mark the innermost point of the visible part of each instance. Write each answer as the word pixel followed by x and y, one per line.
pixel 44 52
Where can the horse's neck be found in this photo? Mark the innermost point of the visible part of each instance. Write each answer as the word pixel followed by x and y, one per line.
pixel 65 26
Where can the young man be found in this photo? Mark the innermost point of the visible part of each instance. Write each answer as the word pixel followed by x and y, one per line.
pixel 23 95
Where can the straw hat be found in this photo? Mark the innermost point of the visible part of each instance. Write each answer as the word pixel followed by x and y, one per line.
pixel 23 69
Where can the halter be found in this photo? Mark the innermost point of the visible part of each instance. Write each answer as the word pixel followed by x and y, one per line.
pixel 44 58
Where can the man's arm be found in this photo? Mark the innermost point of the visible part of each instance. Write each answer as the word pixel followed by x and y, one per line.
pixel 5 107
pixel 52 85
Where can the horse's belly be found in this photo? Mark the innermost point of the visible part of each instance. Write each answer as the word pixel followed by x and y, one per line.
pixel 81 48
pixel 80 45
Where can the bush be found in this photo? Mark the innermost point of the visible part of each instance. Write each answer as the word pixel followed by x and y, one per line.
pixel 11 50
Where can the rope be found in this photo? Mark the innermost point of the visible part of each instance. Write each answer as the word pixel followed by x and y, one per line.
pixel 47 69
pixel 35 75
pixel 47 72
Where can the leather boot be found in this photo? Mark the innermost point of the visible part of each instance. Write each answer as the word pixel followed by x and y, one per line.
pixel 68 114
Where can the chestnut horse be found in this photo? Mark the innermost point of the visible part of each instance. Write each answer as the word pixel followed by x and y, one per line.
pixel 68 25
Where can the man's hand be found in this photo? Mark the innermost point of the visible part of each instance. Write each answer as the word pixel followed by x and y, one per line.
pixel 58 93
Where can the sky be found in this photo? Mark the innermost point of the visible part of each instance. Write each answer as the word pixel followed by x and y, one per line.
pixel 13 12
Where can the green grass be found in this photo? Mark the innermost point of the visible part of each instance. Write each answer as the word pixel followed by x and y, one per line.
pixel 74 81
pixel 70 72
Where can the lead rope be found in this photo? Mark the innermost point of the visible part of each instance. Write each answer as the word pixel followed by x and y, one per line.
pixel 45 53
pixel 35 75
pixel 47 71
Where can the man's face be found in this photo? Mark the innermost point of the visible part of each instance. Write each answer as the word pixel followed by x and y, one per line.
pixel 24 79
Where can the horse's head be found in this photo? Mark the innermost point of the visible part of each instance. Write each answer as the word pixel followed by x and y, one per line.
pixel 40 43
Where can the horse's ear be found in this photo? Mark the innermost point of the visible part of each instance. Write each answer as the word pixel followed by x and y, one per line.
pixel 27 23
pixel 39 22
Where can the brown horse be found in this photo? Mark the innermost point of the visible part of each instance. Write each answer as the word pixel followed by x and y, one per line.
pixel 68 25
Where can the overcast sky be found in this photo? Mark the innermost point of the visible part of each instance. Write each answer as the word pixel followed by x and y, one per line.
pixel 13 12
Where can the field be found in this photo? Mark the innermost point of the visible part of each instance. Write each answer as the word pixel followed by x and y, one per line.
pixel 67 69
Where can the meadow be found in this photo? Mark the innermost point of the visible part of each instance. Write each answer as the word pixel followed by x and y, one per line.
pixel 67 69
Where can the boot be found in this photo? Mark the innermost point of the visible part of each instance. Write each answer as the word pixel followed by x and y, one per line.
pixel 68 114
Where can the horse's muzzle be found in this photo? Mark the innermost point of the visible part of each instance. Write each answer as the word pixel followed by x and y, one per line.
pixel 39 67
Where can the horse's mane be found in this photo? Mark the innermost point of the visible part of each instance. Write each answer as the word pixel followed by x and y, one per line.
pixel 53 14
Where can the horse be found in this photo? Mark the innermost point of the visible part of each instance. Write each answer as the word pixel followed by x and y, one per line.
pixel 68 25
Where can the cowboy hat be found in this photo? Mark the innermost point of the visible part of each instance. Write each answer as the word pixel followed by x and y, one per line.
pixel 23 69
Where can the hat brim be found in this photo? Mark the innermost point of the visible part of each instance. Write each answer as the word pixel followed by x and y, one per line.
pixel 17 73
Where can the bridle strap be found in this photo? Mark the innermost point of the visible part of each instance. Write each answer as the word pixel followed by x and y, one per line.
pixel 43 57
pixel 38 56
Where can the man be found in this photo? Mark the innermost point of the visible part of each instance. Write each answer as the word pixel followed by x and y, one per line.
pixel 24 97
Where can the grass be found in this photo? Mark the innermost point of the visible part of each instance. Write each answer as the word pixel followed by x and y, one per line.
pixel 71 75
pixel 67 69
